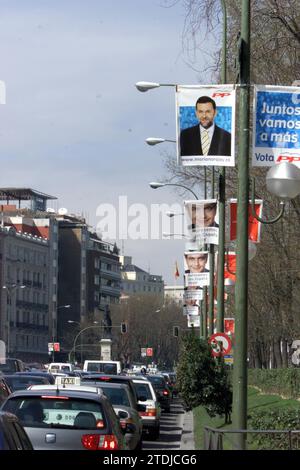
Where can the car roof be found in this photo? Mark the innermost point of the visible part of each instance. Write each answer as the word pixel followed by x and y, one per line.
pixel 70 391
pixel 106 384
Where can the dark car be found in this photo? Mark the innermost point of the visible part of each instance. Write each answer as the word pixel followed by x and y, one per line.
pixel 59 418
pixel 162 391
pixel 5 391
pixel 12 434
pixel 12 365
pixel 39 373
pixel 125 407
pixel 119 379
pixel 22 381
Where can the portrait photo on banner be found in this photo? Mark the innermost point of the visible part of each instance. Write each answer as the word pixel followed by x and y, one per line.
pixel 202 221
pixel 196 268
pixel 205 125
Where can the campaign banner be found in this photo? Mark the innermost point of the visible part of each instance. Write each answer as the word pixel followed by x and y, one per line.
pixel 192 297
pixel 202 221
pixel 193 321
pixel 230 266
pixel 205 125
pixel 229 324
pixel 191 311
pixel 196 268
pixel 254 226
pixel 276 125
pixel 194 281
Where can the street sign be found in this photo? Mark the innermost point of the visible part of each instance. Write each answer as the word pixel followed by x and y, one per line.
pixel 143 352
pixel 218 350
pixel 228 359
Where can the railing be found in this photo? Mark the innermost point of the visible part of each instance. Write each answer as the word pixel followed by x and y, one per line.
pixel 256 439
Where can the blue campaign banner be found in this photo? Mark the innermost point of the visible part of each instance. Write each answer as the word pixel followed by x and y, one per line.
pixel 276 135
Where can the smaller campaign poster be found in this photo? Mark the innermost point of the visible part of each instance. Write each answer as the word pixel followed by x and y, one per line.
pixel 193 321
pixel 191 311
pixel 230 266
pixel 254 226
pixel 205 125
pixel 276 125
pixel 196 268
pixel 229 326
pixel 202 221
pixel 192 297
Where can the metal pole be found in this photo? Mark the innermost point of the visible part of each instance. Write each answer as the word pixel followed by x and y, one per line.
pixel 222 175
pixel 241 289
pixel 204 309
pixel 211 256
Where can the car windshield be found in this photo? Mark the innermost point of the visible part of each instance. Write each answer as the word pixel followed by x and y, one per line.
pixel 117 396
pixel 157 381
pixel 143 390
pixel 106 368
pixel 52 412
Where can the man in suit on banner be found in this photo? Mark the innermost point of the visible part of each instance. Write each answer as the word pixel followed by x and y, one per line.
pixel 206 138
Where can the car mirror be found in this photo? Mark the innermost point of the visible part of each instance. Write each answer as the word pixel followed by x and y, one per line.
pixel 130 428
pixel 122 414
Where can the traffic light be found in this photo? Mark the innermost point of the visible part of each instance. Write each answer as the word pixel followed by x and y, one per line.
pixel 123 328
pixel 176 331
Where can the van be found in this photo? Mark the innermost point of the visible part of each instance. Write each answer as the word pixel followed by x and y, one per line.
pixel 64 367
pixel 105 367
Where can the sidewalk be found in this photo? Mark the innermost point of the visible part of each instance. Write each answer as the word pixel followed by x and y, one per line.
pixel 187 436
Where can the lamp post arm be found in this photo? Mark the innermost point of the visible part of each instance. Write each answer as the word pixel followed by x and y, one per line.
pixel 79 333
pixel 260 219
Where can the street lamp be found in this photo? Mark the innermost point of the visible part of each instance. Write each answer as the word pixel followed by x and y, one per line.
pixel 73 350
pixel 156 185
pixel 9 289
pixel 158 140
pixel 78 323
pixel 145 86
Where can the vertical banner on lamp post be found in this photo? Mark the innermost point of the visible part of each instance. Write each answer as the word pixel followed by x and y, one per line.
pixel 202 221
pixel 205 125
pixel 254 226
pixel 276 125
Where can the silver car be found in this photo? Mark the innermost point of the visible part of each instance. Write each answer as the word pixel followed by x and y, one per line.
pixel 58 418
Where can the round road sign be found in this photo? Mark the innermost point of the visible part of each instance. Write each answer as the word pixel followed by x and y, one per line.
pixel 217 349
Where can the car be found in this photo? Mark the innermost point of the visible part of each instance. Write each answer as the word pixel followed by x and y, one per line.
pixel 61 418
pixel 63 367
pixel 39 373
pixel 162 391
pixel 12 433
pixel 151 416
pixel 5 390
pixel 106 367
pixel 12 365
pixel 23 381
pixel 125 407
pixel 120 379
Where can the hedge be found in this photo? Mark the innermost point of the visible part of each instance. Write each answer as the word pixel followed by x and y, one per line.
pixel 284 382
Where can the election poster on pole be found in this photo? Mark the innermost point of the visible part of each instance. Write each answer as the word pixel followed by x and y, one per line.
pixel 205 125
pixel 276 125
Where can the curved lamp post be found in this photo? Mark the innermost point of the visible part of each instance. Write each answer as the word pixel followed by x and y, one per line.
pixel 158 140
pixel 156 185
pixel 77 336
pixel 146 86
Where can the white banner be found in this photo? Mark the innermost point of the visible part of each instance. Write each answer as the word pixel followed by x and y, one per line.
pixel 205 125
pixel 202 221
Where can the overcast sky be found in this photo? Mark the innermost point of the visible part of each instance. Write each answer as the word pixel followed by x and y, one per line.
pixel 74 125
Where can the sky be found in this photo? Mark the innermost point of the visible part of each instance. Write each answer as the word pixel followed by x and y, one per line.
pixel 74 125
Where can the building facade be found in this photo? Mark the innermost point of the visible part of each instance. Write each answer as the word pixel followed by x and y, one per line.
pixel 137 281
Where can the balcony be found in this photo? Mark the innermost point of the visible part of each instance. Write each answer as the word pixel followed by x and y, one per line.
pixel 32 306
pixel 32 326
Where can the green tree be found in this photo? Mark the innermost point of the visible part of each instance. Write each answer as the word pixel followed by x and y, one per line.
pixel 201 380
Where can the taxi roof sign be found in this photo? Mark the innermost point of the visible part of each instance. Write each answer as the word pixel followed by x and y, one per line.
pixel 65 381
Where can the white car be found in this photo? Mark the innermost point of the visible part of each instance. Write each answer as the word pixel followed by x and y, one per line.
pixel 147 396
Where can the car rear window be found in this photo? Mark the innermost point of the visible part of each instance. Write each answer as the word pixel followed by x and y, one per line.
pixel 105 368
pixel 157 381
pixel 117 396
pixel 55 412
pixel 143 390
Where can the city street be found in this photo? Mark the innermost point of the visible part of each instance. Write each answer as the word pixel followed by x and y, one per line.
pixel 170 429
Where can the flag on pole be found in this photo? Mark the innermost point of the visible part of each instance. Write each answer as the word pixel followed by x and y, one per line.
pixel 176 273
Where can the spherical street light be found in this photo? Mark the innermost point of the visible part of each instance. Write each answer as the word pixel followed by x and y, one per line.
pixel 283 180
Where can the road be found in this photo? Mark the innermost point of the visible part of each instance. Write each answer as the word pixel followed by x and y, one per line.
pixel 170 429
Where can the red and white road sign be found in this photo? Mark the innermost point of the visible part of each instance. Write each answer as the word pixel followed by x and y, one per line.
pixel 149 352
pixel 217 349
